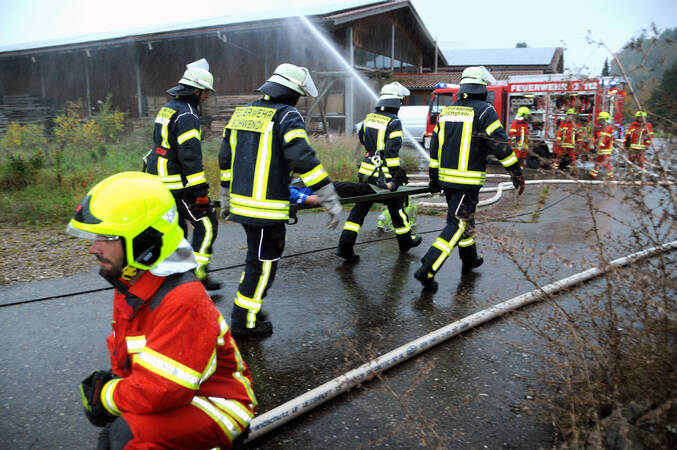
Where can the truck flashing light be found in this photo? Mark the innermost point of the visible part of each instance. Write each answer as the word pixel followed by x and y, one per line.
pixel 441 85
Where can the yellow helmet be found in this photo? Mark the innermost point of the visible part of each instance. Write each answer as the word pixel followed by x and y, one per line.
pixel 640 114
pixel 572 111
pixel 523 111
pixel 603 116
pixel 136 207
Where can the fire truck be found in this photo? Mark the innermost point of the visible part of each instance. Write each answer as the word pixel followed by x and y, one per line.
pixel 547 97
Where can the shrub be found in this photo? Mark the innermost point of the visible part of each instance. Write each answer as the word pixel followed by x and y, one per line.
pixel 72 132
pixel 24 147
pixel 111 123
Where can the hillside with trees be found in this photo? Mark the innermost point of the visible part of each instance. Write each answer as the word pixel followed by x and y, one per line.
pixel 646 60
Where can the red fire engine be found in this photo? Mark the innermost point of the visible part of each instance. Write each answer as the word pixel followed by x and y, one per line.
pixel 547 97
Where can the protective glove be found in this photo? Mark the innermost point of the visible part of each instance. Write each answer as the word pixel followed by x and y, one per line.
pixel 202 207
pixel 518 182
pixel 329 199
pixel 224 197
pixel 434 186
pixel 90 393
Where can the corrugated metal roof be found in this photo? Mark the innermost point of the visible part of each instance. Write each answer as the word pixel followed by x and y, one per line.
pixel 312 10
pixel 500 56
pixel 429 80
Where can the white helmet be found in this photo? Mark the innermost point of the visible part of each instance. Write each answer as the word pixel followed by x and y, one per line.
pixel 392 95
pixel 291 77
pixel 197 75
pixel 474 80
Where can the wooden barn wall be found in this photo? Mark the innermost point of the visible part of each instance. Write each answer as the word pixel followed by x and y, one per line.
pixel 374 34
pixel 239 65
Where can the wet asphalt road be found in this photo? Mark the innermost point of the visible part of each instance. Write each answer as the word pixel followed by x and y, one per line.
pixel 329 317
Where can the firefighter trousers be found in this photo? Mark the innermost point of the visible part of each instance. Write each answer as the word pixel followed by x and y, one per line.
pixel 359 212
pixel 458 231
pixel 265 245
pixel 185 427
pixel 636 156
pixel 205 229
pixel 602 161
pixel 565 156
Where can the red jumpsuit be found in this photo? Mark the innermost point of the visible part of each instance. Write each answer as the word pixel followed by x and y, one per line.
pixel 638 138
pixel 604 143
pixel 183 382
pixel 519 139
pixel 568 137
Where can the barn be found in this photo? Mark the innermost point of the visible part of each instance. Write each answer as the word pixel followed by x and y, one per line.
pixel 136 67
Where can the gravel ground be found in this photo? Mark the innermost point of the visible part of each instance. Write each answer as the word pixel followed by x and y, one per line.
pixel 34 253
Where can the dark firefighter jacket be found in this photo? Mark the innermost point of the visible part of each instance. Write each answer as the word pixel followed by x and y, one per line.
pixel 177 154
pixel 263 144
pixel 381 135
pixel 466 133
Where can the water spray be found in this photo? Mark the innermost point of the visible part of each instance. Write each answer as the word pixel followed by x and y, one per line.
pixel 316 32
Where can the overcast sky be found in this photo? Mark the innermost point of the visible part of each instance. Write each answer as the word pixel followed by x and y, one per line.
pixel 492 24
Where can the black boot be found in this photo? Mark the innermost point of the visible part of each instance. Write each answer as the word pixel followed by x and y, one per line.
pixel 413 240
pixel 348 254
pixel 427 279
pixel 238 325
pixel 469 258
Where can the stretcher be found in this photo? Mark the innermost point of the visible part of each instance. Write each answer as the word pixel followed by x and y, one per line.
pixel 379 196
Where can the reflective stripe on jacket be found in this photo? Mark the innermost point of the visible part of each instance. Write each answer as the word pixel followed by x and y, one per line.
pixel 639 136
pixel 381 134
pixel 465 134
pixel 605 140
pixel 263 144
pixel 170 345
pixel 176 157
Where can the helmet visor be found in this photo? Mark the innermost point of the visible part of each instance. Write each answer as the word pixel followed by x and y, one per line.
pixel 82 234
pixel 308 84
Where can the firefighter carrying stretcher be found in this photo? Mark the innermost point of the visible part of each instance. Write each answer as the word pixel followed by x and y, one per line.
pixel 263 143
pixel 467 131
pixel 176 158
pixel 381 136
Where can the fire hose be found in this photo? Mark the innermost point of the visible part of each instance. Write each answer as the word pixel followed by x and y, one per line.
pixel 272 419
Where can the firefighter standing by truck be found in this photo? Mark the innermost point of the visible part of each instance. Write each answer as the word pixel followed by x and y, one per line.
pixel 567 142
pixel 604 143
pixel 519 134
pixel 263 143
pixel 176 158
pixel 177 377
pixel 467 131
pixel 638 138
pixel 381 136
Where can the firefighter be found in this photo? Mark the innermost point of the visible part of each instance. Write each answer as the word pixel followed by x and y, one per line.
pixel 264 142
pixel 603 142
pixel 177 378
pixel 176 158
pixel 467 131
pixel 519 134
pixel 567 140
pixel 381 136
pixel 638 138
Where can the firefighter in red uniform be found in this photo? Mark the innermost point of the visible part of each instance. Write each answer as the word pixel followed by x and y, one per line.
pixel 638 138
pixel 519 134
pixel 603 142
pixel 567 139
pixel 177 377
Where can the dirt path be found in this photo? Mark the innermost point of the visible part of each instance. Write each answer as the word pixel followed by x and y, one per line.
pixel 34 253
